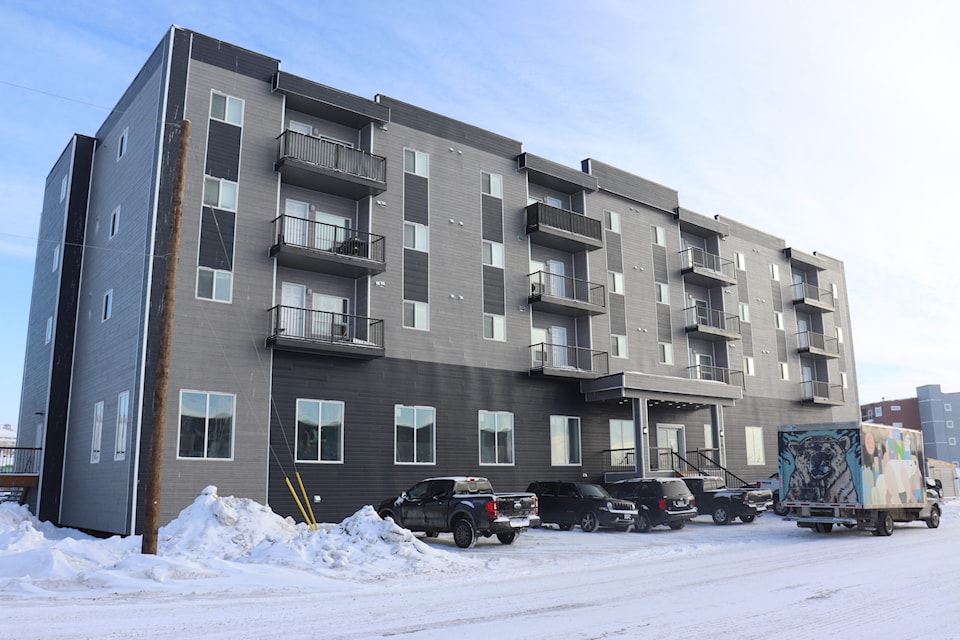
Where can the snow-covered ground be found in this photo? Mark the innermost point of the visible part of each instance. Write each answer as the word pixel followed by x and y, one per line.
pixel 229 568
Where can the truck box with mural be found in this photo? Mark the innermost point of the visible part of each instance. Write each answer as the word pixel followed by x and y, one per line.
pixel 860 475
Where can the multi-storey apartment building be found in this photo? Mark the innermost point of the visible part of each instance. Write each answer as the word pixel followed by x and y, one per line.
pixel 932 411
pixel 370 293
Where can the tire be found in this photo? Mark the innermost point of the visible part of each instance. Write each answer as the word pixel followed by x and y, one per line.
pixel 464 533
pixel 388 514
pixel 885 523
pixel 641 524
pixel 823 527
pixel 779 509
pixel 721 515
pixel 748 518
pixel 508 537
pixel 589 522
pixel 565 527
pixel 676 526
pixel 934 520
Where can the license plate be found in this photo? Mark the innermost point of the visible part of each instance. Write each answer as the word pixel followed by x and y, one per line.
pixel 519 522
pixel 682 503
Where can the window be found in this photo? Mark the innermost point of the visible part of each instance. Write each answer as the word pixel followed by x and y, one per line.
pixel 744 312
pixel 878 412
pixel 564 440
pixel 665 352
pixel 496 437
pixel 774 272
pixel 56 258
pixel 300 127
pixel 114 222
pixel 63 188
pixel 618 346
pixel 835 290
pixel 494 327
pixel 226 109
pixel 611 221
pixel 48 336
pixel 319 430
pixel 491 184
pixel 662 292
pixel 843 380
pixel 97 432
pixel 416 162
pixel 554 202
pixel 415 429
pixel 122 144
pixel 778 320
pixel 214 284
pixel 206 425
pixel 615 282
pixel 493 253
pixel 784 370
pixel 895 407
pixel 416 236
pixel 416 315
pixel 898 424
pixel 947 407
pixel 949 424
pixel 220 193
pixel 741 260
pixel 658 235
pixel 754 437
pixel 951 441
pixel 123 419
pixel 840 338
pixel 107 306
pixel 748 368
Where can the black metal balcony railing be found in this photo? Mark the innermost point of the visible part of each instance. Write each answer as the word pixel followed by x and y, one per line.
pixel 618 460
pixel 320 236
pixel 309 325
pixel 818 342
pixel 817 391
pixel 812 294
pixel 564 357
pixel 22 461
pixel 332 156
pixel 697 258
pixel 557 286
pixel 543 217
pixel 698 317
pixel 716 374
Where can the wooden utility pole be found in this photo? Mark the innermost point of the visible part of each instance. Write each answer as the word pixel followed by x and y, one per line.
pixel 151 518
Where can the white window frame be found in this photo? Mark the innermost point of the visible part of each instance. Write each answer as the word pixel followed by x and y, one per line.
pixel 947 406
pixel 753 438
pixel 206 435
pixel 749 368
pixel 416 162
pixel 231 105
pixel 498 418
pixel 612 221
pixel 560 435
pixel 320 427
pixel 48 335
pixel 744 312
pixel 665 352
pixel 878 412
pixel 662 292
pixel 433 436
pixel 114 222
pixel 492 253
pixel 835 290
pixel 741 260
pixel 778 320
pixel 615 282
pixel 416 236
pixel 491 184
pixel 895 407
pixel 658 235
pixel 224 198
pixel 63 187
pixel 123 422
pixel 56 257
pixel 618 346
pixel 775 272
pixel 843 380
pixel 97 433
pixel 949 424
pixel 106 310
pixel 494 327
pixel 421 315
pixel 839 332
pixel 122 143
pixel 952 441
pixel 221 279
pixel 784 370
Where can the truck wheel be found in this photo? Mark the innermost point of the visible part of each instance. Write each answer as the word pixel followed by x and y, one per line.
pixel 678 525
pixel 934 520
pixel 885 523
pixel 779 509
pixel 641 524
pixel 748 518
pixel 589 522
pixel 823 527
pixel 721 514
pixel 464 533
pixel 508 537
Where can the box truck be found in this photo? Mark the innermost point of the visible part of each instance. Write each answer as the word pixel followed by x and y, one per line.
pixel 861 475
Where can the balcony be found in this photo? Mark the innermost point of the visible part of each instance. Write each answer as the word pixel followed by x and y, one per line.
pixel 812 299
pixel 716 374
pixel 823 393
pixel 562 229
pixel 706 269
pixel 325 248
pixel 566 296
pixel 322 165
pixel 325 332
pixel 566 361
pixel 19 471
pixel 817 345
pixel 711 324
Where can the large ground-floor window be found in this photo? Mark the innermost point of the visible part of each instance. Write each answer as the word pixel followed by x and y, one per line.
pixel 319 431
pixel 564 440
pixel 206 425
pixel 496 437
pixel 415 429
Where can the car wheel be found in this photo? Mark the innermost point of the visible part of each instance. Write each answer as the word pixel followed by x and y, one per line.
pixel 934 520
pixel 885 523
pixel 464 533
pixel 388 514
pixel 721 514
pixel 779 509
pixel 565 527
pixel 508 537
pixel 823 527
pixel 677 525
pixel 589 522
pixel 748 518
pixel 641 524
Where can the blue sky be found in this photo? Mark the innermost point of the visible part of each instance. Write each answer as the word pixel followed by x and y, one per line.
pixel 831 125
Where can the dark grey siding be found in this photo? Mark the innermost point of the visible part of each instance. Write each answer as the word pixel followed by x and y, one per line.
pixel 492 213
pixel 223 150
pixel 216 238
pixel 415 199
pixel 415 285
pixel 493 290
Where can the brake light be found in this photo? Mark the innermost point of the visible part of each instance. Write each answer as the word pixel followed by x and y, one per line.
pixel 493 510
pixel 662 504
pixel 536 505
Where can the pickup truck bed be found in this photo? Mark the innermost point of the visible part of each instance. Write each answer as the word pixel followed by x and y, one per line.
pixel 724 504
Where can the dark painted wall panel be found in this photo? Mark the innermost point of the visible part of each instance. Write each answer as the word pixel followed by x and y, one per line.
pixel 493 289
pixel 415 271
pixel 415 199
pixel 492 215
pixel 232 58
pixel 216 239
pixel 223 150
pixel 618 314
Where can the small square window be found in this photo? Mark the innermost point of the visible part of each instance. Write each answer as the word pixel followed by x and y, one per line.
pixel 493 254
pixel 114 222
pixel 658 235
pixel 214 284
pixel 107 306
pixel 618 346
pixel 951 441
pixel 949 424
pixel 895 407
pixel 947 407
pixel 615 282
pixel 494 327
pixel 122 144
pixel 416 236
pixel 665 352
pixel 219 193
pixel 226 109
pixel 774 272
pixel 748 367
pixel 878 412
pixel 492 184
pixel 416 162
pixel 611 221
pixel 416 315
pixel 662 291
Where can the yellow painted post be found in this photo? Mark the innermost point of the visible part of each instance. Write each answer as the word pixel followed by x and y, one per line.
pixel 294 494
pixel 313 518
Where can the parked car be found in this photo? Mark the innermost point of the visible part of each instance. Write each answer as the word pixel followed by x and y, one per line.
pixel 566 504
pixel 465 507
pixel 773 484
pixel 660 501
pixel 725 503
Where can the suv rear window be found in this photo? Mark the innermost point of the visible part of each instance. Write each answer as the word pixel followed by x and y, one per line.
pixel 675 489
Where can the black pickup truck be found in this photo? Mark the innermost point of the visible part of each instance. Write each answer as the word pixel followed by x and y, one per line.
pixel 465 507
pixel 725 503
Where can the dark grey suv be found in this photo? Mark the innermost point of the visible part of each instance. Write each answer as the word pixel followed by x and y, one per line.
pixel 666 501
pixel 589 505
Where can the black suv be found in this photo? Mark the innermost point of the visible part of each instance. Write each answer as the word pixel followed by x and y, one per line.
pixel 665 501
pixel 589 505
